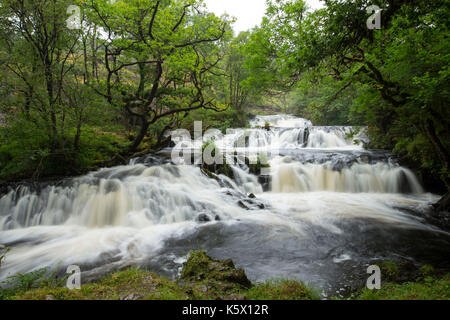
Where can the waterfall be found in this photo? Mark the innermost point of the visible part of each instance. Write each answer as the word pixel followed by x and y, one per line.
pixel 290 176
pixel 322 191
pixel 156 195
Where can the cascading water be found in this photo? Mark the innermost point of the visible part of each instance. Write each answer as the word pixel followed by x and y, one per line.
pixel 324 210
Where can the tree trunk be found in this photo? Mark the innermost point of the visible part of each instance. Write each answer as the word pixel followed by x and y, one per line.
pixel 142 133
pixel 76 143
pixel 442 153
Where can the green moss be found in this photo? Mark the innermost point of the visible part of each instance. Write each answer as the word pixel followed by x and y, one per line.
pixel 262 162
pixel 427 289
pixel 209 173
pixel 389 270
pixel 204 278
pixel 282 290
pixel 210 144
pixel 200 267
pixel 426 270
pixel 130 284
pixel 223 168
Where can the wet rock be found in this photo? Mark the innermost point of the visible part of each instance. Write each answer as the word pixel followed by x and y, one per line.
pixel 243 205
pixel 405 187
pixel 203 218
pixel 443 205
pixel 252 196
pixel 217 218
pixel 228 263
pixel 365 159
pixel 250 204
pixel 306 137
pixel 265 182
pixel 131 296
pixel 217 169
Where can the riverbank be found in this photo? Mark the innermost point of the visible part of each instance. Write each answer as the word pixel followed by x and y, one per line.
pixel 204 278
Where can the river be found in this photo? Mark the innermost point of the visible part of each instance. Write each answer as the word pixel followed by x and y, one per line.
pixel 324 211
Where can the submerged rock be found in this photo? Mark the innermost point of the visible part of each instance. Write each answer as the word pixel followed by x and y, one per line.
pixel 250 204
pixel 203 218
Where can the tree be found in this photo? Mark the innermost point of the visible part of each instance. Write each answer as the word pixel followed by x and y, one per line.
pixel 39 52
pixel 400 71
pixel 237 73
pixel 158 57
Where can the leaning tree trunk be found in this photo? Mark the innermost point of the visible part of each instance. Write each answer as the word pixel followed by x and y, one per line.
pixel 441 152
pixel 142 133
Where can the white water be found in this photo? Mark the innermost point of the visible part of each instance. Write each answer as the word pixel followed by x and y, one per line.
pixel 284 132
pixel 152 196
pixel 127 215
pixel 292 176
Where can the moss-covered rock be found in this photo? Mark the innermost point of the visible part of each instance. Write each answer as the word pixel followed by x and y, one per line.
pixel 256 168
pixel 399 272
pixel 204 278
pixel 282 290
pixel 200 267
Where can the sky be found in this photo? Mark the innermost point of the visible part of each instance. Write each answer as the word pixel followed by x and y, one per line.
pixel 248 12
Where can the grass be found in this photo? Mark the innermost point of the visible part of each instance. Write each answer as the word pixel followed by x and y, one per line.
pixel 204 278
pixel 282 290
pixel 135 284
pixel 430 288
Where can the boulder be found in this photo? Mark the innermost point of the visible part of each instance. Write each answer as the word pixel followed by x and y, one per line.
pixel 216 273
pixel 443 205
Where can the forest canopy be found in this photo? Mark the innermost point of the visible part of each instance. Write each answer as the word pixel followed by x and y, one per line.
pixel 75 98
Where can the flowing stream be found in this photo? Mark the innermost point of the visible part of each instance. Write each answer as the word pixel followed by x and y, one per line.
pixel 324 211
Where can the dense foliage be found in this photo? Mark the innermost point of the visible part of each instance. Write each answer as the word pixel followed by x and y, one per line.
pixel 72 98
pixel 84 82
pixel 395 80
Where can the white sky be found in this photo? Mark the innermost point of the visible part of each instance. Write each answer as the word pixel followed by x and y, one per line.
pixel 248 12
